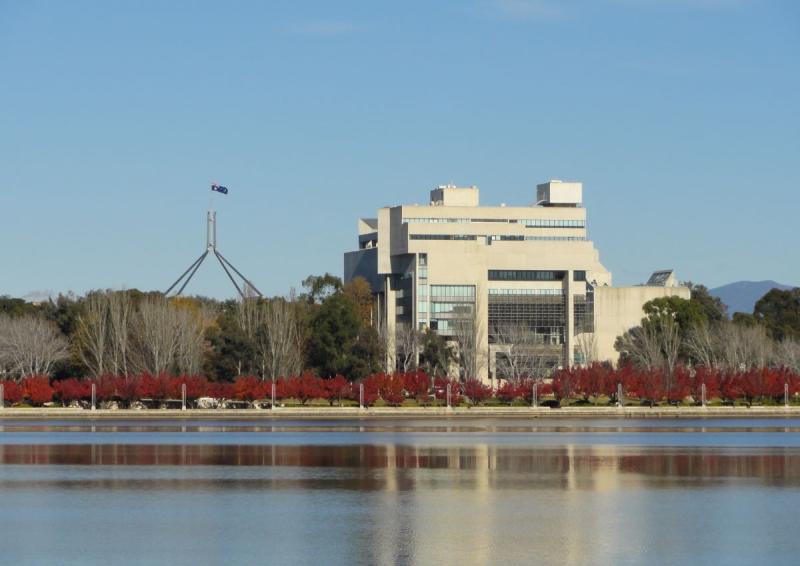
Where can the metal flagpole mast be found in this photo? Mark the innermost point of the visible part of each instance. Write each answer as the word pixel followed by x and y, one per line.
pixel 211 246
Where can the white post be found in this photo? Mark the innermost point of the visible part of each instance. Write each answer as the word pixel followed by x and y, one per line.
pixel 703 394
pixel 360 395
pixel 786 395
pixel 183 396
pixel 94 396
pixel 448 395
pixel 272 404
pixel 535 394
pixel 620 398
pixel 2 396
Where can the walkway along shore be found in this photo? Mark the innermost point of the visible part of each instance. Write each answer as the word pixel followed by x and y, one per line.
pixel 286 413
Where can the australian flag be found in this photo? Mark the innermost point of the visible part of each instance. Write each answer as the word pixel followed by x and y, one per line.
pixel 219 189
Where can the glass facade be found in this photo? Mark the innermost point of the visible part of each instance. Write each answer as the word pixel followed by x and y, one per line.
pixel 542 315
pixel 525 275
pixel 451 304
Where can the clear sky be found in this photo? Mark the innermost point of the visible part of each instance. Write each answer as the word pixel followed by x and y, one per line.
pixel 681 117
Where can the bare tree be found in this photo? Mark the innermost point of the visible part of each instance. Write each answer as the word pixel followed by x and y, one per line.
pixel 408 342
pixel 522 354
pixel 787 354
pixel 119 305
pixel 190 327
pixel 156 331
pixel 92 333
pixel 586 343
pixel 670 338
pixel 467 329
pixel 278 339
pixel 30 345
pixel 642 345
pixel 702 344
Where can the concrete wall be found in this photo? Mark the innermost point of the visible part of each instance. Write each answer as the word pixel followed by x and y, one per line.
pixel 617 309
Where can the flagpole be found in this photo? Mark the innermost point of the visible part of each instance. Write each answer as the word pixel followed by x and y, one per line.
pixel 211 245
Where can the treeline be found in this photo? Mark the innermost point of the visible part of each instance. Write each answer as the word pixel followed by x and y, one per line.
pixel 678 332
pixel 597 384
pixel 327 329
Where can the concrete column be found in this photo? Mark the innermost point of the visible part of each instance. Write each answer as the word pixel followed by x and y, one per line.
pixel 390 312
pixel 569 289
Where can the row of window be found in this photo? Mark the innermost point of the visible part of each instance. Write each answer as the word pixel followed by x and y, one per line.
pixel 442 237
pixel 501 238
pixel 525 275
pixel 529 222
pixel 453 291
pixel 544 223
pixel 526 291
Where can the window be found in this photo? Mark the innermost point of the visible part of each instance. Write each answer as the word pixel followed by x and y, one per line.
pixel 422 290
pixel 578 275
pixel 525 275
pixel 442 237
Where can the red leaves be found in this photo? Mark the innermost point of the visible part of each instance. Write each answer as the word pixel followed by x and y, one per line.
pixel 598 380
pixel 12 392
pixel 37 389
pixel 73 390
pixel 476 391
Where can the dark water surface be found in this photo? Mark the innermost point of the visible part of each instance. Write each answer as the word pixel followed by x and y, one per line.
pixel 422 491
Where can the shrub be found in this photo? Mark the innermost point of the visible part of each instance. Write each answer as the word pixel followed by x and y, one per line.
pixel 12 392
pixel 67 390
pixel 37 389
pixel 476 391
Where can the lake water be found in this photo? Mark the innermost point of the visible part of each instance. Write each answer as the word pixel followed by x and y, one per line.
pixel 421 491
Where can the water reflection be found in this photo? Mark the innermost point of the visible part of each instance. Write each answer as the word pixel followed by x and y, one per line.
pixel 582 466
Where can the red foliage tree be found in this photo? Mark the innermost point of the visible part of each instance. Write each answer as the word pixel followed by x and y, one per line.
pixel 37 389
pixel 248 388
pixel 731 386
pixel 417 383
pixel 711 378
pixel 307 387
pixel 337 388
pixel 67 390
pixel 506 392
pixel 221 390
pixel 476 391
pixel 565 383
pixel 679 385
pixel 12 392
pixel 196 386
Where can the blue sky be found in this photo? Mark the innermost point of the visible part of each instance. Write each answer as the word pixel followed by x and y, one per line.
pixel 681 117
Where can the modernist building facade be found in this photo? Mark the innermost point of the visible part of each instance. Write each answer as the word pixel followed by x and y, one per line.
pixel 500 281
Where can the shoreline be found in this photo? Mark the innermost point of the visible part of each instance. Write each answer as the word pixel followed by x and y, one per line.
pixel 342 413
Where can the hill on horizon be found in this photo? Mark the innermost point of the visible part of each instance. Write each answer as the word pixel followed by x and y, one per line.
pixel 741 296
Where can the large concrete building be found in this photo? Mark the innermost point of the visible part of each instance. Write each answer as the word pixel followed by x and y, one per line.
pixel 511 287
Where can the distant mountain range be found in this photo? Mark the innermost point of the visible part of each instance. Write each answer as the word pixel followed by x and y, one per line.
pixel 742 296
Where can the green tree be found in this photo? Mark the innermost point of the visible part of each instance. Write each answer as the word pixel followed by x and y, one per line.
pixel 320 287
pixel 230 352
pixel 779 311
pixel 334 329
pixel 15 307
pixel 713 307
pixel 436 355
pixel 366 354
